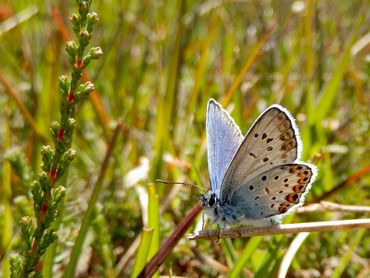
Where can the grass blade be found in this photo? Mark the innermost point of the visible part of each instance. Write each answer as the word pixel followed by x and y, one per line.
pixel 142 252
pixel 331 91
pixel 289 255
pixel 346 258
pixel 153 223
pixel 252 245
pixel 6 217
pixel 248 64
pixel 77 248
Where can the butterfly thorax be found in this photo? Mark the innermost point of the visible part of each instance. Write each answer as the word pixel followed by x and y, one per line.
pixel 219 212
pixel 226 214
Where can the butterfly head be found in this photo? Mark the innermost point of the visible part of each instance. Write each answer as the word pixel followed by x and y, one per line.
pixel 208 200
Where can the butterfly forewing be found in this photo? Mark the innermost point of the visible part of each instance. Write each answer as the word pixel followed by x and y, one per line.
pixel 275 191
pixel 272 140
pixel 223 139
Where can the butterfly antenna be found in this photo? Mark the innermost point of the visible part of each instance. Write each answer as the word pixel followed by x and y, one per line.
pixel 183 183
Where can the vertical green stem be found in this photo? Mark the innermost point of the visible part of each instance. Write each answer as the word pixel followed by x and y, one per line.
pixel 76 251
pixel 6 220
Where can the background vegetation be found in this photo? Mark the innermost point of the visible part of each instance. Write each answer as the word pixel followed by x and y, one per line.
pixel 162 61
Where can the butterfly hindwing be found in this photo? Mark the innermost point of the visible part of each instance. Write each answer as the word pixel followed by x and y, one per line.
pixel 272 140
pixel 223 139
pixel 273 192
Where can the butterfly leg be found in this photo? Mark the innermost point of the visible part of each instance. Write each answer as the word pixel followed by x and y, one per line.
pixel 219 235
pixel 274 221
pixel 223 227
pixel 203 221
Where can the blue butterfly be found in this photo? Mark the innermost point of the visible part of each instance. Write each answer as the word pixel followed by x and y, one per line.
pixel 256 179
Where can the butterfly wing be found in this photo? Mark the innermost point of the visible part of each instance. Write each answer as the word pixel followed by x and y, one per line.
pixel 274 192
pixel 272 140
pixel 223 139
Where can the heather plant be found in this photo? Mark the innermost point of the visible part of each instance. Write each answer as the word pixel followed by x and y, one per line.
pixel 40 231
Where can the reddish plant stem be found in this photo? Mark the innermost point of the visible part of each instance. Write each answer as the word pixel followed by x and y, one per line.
pixel 152 266
pixel 350 180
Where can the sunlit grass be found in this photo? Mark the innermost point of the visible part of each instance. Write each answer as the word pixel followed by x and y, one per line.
pixel 162 62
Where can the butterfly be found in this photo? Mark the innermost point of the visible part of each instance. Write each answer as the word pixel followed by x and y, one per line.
pixel 256 179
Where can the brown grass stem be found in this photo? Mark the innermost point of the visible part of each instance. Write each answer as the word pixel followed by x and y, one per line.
pixel 10 91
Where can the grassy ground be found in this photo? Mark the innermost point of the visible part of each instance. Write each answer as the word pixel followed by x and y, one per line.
pixel 162 61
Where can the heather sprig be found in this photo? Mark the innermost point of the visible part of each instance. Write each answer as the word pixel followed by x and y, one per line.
pixel 38 233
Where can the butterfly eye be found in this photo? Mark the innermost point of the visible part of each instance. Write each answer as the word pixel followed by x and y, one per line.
pixel 212 200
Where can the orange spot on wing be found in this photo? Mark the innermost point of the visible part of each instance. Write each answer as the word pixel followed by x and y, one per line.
pixel 283 207
pixel 298 188
pixel 292 198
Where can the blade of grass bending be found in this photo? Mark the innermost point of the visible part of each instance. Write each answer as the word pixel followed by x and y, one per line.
pixel 331 90
pixel 239 78
pixel 76 251
pixel 290 253
pixel 252 245
pixel 346 258
pixel 153 222
pixel 167 247
pixel 142 252
pixel 166 104
pixel 10 91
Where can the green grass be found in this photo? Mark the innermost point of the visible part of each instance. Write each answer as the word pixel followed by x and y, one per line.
pixel 162 61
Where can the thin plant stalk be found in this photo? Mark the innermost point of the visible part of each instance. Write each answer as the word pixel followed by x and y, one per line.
pixel 283 229
pixel 77 248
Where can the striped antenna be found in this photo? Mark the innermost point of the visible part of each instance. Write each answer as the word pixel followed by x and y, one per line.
pixel 183 183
